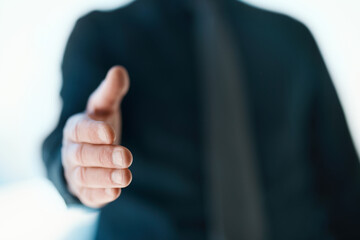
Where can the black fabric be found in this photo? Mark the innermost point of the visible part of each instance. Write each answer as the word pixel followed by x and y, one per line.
pixel 308 165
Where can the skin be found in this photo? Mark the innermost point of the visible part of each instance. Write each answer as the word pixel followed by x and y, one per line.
pixel 95 165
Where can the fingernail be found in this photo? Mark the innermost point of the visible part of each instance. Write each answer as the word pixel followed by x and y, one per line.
pixel 109 191
pixel 118 157
pixel 102 135
pixel 117 177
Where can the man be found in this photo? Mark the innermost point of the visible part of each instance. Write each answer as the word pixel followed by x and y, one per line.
pixel 308 168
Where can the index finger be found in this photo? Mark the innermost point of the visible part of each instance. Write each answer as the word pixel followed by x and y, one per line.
pixel 82 129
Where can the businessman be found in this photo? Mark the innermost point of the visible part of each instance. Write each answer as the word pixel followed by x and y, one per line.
pixel 226 114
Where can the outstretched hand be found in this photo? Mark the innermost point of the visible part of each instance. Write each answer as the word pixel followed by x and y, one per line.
pixel 95 166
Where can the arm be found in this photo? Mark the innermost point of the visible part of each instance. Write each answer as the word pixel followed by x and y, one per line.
pixel 336 160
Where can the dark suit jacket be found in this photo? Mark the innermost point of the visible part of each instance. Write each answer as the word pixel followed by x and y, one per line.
pixel 309 168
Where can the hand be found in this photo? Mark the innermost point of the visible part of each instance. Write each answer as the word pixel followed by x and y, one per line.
pixel 95 166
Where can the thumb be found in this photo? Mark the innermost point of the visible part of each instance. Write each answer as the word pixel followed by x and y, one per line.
pixel 108 96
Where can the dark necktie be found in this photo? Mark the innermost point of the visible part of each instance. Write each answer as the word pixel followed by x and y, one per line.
pixel 236 210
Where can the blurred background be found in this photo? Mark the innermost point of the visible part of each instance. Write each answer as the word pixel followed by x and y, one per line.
pixel 33 37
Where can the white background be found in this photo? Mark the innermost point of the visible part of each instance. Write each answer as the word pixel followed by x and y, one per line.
pixel 32 39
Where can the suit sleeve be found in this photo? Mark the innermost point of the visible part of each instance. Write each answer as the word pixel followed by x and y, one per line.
pixel 336 159
pixel 83 67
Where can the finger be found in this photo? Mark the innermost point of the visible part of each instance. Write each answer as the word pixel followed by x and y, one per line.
pixel 82 129
pixel 88 155
pixel 107 97
pixel 98 197
pixel 101 177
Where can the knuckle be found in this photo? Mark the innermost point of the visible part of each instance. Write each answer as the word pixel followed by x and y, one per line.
pixel 63 156
pixel 71 124
pixel 109 179
pixel 80 173
pixel 103 155
pixel 76 131
pixel 66 156
pixel 67 176
pixel 92 134
pixel 79 154
pixel 107 132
